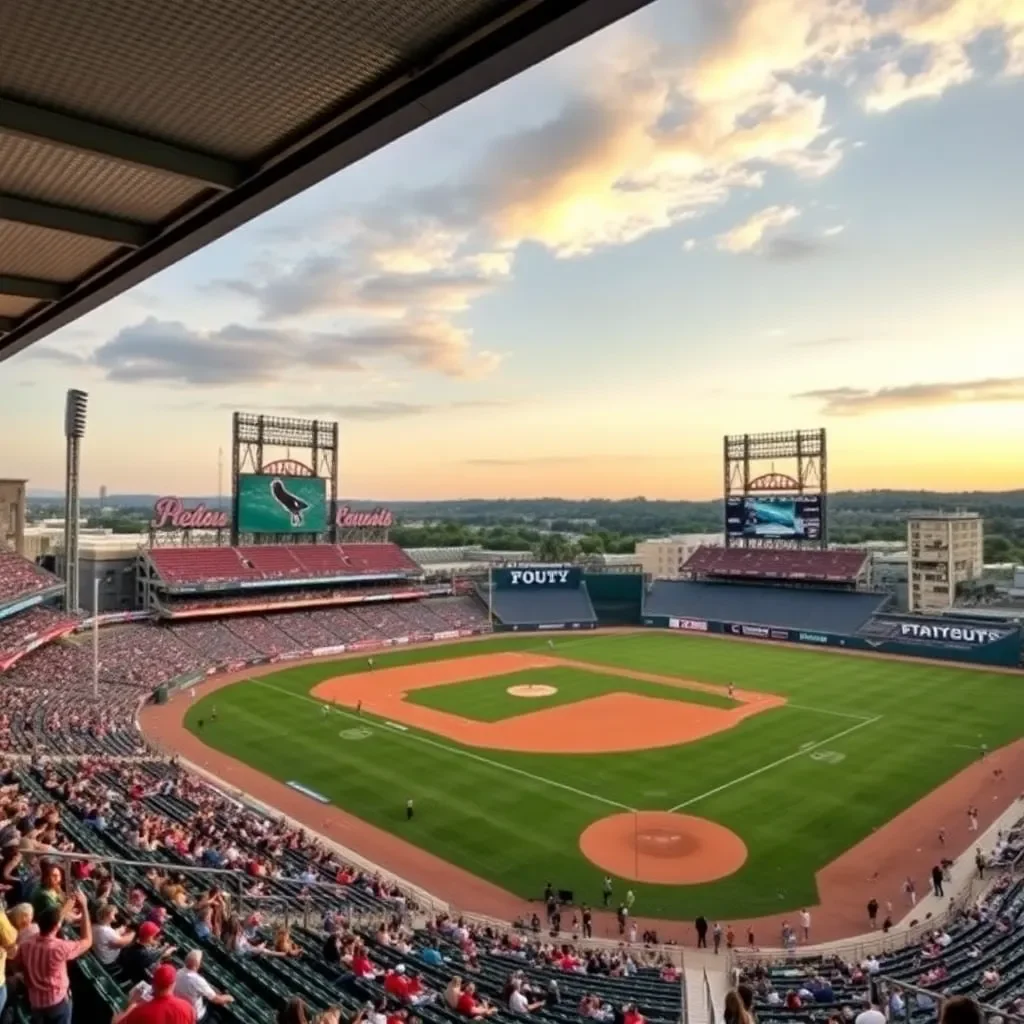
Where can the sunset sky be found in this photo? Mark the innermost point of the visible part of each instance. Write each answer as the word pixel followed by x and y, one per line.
pixel 710 218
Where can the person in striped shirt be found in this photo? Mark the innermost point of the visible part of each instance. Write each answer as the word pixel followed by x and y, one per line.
pixel 44 962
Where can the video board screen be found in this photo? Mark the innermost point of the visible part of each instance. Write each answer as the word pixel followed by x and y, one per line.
pixel 778 518
pixel 282 504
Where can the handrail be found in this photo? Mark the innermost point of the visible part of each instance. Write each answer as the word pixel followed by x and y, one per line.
pixel 673 953
pixel 878 942
pixel 938 998
pixel 189 869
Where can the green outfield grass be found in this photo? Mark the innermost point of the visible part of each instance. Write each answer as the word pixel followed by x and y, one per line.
pixel 860 740
pixel 487 700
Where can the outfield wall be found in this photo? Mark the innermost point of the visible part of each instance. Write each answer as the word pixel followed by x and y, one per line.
pixel 971 643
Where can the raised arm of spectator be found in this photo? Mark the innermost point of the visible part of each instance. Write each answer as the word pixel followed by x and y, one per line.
pixel 84 944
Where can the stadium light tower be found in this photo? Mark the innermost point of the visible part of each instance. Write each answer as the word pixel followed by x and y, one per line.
pixel 74 430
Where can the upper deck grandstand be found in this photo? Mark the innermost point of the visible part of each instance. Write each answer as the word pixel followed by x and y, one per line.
pixel 278 562
pixel 832 565
pixel 20 579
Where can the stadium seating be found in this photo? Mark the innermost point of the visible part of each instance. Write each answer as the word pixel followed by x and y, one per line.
pixel 833 566
pixel 20 578
pixel 183 566
pixel 201 565
pixel 537 607
pixel 20 631
pixel 979 954
pixel 827 611
pixel 352 937
pixel 47 701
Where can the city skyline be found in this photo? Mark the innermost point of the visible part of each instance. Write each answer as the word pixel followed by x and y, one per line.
pixel 784 214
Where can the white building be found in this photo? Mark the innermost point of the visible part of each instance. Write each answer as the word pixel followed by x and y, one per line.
pixel 945 549
pixel 663 557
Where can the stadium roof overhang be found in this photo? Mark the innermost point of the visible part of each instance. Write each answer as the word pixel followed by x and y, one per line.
pixel 132 134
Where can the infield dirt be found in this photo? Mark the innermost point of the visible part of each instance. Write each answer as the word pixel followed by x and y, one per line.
pixel 610 723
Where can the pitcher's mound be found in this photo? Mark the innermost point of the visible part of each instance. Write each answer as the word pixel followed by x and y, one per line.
pixel 663 847
pixel 536 690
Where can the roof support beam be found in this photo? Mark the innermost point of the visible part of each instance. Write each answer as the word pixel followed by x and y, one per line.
pixel 31 288
pixel 74 133
pixel 75 222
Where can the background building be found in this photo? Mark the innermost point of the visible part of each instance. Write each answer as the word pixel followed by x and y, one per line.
pixel 889 573
pixel 12 515
pixel 945 549
pixel 662 557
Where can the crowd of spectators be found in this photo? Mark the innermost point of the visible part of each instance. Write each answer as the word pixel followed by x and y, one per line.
pixel 979 953
pixel 1009 846
pixel 19 631
pixel 138 937
pixel 48 700
pixel 20 578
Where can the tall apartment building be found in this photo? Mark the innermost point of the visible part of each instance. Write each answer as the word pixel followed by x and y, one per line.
pixel 12 515
pixel 662 557
pixel 944 549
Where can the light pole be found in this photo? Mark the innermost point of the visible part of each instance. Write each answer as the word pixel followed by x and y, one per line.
pixel 74 430
pixel 95 636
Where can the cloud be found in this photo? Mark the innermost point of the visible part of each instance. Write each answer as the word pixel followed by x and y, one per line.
pixel 918 73
pixel 640 147
pixel 169 352
pixel 747 237
pixel 49 354
pixel 650 138
pixel 834 230
pixel 791 248
pixel 383 410
pixel 846 401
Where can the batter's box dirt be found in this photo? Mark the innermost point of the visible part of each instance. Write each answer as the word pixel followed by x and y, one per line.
pixel 609 723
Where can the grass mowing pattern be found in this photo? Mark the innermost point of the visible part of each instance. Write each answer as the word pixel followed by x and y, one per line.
pixel 486 700
pixel 519 831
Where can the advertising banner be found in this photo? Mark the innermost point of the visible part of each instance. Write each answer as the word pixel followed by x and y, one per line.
pixel 741 629
pixel 109 618
pixel 347 518
pixel 690 625
pixel 536 577
pixel 945 632
pixel 170 513
pixel 812 638
pixel 368 645
pixel 534 627
pixel 34 641
pixel 282 504
pixel 321 652
pixel 963 642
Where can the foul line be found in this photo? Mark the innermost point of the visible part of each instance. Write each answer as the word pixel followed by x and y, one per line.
pixel 451 750
pixel 775 764
pixel 829 711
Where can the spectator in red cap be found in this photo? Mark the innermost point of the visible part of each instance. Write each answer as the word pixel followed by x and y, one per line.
pixel 163 1008
pixel 141 956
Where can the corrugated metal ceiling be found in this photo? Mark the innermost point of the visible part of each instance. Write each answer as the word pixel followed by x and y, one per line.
pixel 133 133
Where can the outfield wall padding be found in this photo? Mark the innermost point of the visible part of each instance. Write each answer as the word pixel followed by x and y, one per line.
pixel 618 598
pixel 1002 648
